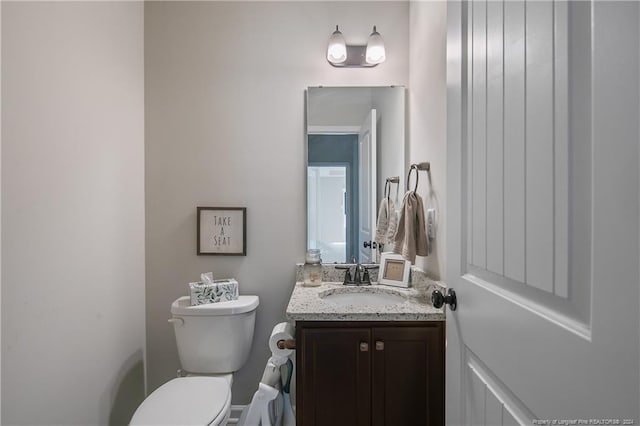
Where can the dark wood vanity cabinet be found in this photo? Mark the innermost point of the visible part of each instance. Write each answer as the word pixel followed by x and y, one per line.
pixel 370 373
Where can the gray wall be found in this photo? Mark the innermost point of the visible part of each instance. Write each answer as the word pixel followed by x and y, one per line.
pixel 391 137
pixel 0 211
pixel 72 212
pixel 428 118
pixel 338 106
pixel 225 107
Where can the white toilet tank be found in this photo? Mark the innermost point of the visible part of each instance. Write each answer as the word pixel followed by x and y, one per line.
pixel 214 338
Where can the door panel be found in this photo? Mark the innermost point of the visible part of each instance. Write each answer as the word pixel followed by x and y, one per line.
pixel 518 156
pixel 485 406
pixel 514 151
pixel 367 158
pixel 478 149
pixel 489 401
pixel 542 154
pixel 495 130
pixel 539 122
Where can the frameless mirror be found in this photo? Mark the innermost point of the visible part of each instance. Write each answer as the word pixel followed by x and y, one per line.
pixel 355 142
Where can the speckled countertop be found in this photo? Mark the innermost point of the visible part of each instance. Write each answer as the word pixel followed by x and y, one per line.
pixel 307 303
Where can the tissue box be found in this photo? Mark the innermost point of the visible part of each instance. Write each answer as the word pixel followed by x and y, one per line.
pixel 217 291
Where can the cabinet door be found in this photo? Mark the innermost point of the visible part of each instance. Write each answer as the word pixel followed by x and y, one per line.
pixel 408 375
pixel 336 376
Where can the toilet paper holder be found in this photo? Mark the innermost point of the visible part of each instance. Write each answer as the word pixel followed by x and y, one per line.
pixel 287 344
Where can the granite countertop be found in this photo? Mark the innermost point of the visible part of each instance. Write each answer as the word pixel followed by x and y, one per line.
pixel 306 304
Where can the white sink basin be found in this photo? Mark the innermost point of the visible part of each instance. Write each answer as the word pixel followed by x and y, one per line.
pixel 361 297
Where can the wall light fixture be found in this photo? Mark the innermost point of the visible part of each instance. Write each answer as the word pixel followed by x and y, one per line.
pixel 341 54
pixel 337 49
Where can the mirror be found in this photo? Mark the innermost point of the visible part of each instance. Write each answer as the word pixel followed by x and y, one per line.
pixel 355 141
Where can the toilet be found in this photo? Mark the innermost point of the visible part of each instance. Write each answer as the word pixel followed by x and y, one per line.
pixel 214 341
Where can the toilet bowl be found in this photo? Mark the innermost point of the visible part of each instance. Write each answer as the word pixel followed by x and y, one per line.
pixel 186 401
pixel 213 340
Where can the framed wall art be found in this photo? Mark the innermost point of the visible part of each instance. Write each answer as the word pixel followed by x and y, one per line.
pixel 222 231
pixel 394 270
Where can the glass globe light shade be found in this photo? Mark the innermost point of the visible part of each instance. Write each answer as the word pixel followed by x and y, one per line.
pixel 337 48
pixel 375 48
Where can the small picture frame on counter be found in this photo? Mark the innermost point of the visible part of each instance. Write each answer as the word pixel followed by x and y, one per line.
pixel 222 231
pixel 394 270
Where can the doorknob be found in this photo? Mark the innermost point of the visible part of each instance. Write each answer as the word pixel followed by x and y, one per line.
pixel 438 299
pixel 371 244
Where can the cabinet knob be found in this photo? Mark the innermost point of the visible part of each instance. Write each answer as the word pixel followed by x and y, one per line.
pixel 364 347
pixel 379 345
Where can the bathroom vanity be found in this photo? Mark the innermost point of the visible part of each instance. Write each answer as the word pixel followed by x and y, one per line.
pixel 368 355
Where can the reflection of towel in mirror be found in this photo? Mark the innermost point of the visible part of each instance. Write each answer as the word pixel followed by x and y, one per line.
pixel 387 222
pixel 411 237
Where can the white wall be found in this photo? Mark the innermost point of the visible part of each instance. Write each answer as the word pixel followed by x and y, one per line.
pixel 392 115
pixel 72 212
pixel 428 117
pixel 0 211
pixel 225 127
pixel 338 106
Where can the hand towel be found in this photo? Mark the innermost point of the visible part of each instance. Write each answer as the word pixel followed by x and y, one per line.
pixel 387 222
pixel 411 237
pixel 393 223
pixel 383 221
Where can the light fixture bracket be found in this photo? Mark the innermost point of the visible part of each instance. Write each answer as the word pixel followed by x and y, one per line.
pixel 356 58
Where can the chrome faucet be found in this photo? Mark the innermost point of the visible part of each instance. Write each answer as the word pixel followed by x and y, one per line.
pixel 361 274
pixel 357 277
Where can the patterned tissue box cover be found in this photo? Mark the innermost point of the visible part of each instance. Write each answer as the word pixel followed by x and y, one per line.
pixel 219 291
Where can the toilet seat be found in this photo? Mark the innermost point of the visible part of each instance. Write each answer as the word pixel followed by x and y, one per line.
pixel 186 401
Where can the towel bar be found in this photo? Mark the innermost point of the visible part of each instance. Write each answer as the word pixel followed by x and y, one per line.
pixel 387 184
pixel 425 166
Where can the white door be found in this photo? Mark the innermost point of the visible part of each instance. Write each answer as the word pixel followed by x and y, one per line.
pixel 543 222
pixel 367 186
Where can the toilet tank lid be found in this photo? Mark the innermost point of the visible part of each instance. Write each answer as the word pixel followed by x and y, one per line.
pixel 182 306
pixel 185 401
